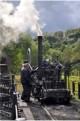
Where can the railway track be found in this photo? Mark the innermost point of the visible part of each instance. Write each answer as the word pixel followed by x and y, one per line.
pixel 64 112
pixel 36 111
pixel 48 113
pixel 51 112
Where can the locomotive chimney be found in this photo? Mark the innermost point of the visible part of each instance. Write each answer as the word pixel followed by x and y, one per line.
pixel 39 52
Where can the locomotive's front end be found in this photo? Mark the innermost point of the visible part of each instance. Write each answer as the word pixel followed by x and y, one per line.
pixel 48 76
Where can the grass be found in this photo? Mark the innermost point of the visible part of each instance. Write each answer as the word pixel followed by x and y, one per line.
pixel 76 79
pixel 19 86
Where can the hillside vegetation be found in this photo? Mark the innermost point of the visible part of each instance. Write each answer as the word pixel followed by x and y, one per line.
pixel 65 45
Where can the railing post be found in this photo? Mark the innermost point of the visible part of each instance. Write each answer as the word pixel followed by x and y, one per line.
pixel 13 84
pixel 73 87
pixel 79 90
pixel 16 104
pixel 13 98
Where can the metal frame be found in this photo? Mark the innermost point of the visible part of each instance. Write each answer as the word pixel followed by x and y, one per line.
pixel 8 98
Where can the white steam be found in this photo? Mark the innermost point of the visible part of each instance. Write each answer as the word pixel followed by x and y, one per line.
pixel 13 20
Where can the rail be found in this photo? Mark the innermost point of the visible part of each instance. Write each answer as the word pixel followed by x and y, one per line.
pixel 48 113
pixel 76 88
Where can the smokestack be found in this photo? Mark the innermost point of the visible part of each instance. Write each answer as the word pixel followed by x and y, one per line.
pixel 39 52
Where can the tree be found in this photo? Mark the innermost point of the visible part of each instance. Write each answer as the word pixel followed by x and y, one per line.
pixel 17 52
pixel 68 54
pixel 45 47
pixel 34 55
pixel 59 35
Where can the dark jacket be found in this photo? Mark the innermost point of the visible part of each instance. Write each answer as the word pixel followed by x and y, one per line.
pixel 26 76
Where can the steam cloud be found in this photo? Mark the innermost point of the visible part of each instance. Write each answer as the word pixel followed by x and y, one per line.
pixel 13 20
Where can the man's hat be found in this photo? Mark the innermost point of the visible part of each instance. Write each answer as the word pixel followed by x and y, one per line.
pixel 26 61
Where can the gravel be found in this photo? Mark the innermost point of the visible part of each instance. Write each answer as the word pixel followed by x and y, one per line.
pixel 59 111
pixel 64 112
pixel 38 112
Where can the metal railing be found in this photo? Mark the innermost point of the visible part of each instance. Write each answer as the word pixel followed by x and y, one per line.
pixel 8 98
pixel 76 88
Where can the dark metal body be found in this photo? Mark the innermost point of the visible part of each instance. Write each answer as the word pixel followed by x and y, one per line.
pixel 3 68
pixel 8 95
pixel 39 52
pixel 39 71
pixel 47 79
pixel 5 97
pixel 51 85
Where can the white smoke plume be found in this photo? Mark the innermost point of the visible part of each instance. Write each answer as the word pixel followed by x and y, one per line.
pixel 13 20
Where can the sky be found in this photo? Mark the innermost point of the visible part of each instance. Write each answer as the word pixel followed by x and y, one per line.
pixel 58 15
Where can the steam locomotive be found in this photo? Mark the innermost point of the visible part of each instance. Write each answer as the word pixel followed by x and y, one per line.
pixel 48 79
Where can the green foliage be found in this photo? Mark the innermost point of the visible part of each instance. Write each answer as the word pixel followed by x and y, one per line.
pixel 68 49
pixel 59 35
pixel 34 55
pixel 46 46
pixel 77 46
pixel 68 54
pixel 51 39
pixel 16 52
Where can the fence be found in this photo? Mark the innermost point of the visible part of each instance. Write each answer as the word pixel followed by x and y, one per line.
pixel 76 88
pixel 8 98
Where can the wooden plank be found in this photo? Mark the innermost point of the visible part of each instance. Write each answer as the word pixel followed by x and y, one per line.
pixel 22 104
pixel 28 114
pixel 26 110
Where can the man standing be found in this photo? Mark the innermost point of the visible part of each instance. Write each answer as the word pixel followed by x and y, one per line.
pixel 26 81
